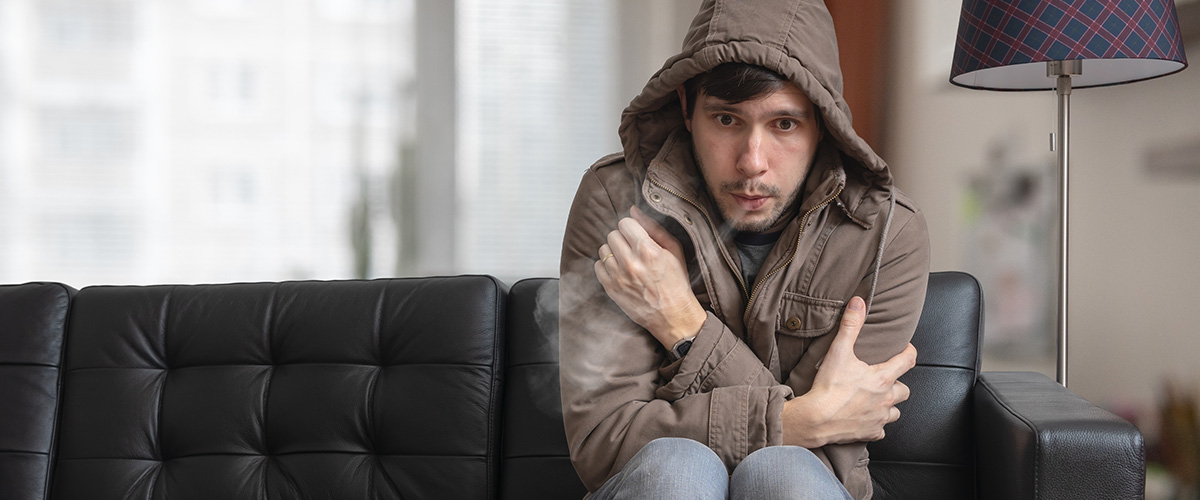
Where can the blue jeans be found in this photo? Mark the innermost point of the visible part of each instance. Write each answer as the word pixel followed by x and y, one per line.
pixel 678 468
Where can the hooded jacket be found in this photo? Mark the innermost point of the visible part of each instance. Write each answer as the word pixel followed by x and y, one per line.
pixel 852 234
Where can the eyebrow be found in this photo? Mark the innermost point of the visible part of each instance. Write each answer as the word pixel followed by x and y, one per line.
pixel 720 107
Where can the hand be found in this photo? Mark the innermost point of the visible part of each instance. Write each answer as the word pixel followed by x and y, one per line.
pixel 643 270
pixel 850 401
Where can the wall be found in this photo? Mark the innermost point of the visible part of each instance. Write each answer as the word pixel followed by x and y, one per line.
pixel 1132 240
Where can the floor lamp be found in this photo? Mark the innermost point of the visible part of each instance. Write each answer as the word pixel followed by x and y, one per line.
pixel 1059 45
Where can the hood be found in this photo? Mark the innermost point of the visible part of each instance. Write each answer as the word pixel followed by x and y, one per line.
pixel 794 38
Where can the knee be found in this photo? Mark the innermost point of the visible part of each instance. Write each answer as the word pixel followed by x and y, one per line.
pixel 776 458
pixel 666 455
pixel 784 472
pixel 683 467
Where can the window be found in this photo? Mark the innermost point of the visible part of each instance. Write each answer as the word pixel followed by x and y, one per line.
pixel 96 242
pixel 361 10
pixel 86 24
pixel 86 148
pixel 234 193
pixel 151 142
pixel 224 8
pixel 537 108
pixel 86 134
pixel 357 94
pixel 228 139
pixel 226 90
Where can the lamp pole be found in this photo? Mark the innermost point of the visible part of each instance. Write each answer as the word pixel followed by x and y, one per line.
pixel 1062 70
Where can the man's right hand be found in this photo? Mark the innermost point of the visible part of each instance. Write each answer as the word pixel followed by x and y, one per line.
pixel 850 401
pixel 642 269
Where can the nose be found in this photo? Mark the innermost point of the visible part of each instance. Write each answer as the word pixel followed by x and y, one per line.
pixel 753 161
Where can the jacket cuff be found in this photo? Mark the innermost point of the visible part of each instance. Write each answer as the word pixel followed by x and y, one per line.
pixel 717 359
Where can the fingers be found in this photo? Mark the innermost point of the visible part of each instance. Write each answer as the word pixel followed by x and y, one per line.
pixel 900 392
pixel 650 225
pixel 636 235
pixel 852 322
pixel 604 253
pixel 856 313
pixel 620 247
pixel 654 229
pixel 899 364
pixel 602 274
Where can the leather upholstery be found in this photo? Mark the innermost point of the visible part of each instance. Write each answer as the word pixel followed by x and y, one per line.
pixel 441 388
pixel 1038 440
pixel 33 318
pixel 336 390
pixel 536 463
pixel 930 452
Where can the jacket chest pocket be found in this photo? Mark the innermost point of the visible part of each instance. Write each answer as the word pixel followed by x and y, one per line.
pixel 806 317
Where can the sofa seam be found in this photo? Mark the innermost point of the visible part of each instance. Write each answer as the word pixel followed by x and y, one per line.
pixel 269 339
pixel 52 455
pixel 496 412
pixel 168 301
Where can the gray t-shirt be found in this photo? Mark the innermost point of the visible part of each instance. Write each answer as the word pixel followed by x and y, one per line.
pixel 753 249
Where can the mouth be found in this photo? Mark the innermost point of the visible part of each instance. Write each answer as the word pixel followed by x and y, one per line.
pixel 750 202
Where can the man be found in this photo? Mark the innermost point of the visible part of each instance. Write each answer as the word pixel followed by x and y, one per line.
pixel 739 287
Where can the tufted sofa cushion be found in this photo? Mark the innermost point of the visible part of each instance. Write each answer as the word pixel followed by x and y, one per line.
pixel 381 389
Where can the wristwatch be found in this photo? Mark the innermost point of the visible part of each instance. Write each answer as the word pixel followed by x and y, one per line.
pixel 681 348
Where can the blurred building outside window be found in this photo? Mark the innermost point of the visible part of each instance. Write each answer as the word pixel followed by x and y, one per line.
pixel 197 141
pixel 245 140
pixel 538 105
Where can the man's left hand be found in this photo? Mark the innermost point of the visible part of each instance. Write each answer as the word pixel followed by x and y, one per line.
pixel 642 269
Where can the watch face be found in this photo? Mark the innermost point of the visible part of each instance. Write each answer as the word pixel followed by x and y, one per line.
pixel 684 348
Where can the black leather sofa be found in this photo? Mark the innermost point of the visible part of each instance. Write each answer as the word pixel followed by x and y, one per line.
pixel 440 388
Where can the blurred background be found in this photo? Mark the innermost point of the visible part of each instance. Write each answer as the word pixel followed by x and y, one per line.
pixel 187 141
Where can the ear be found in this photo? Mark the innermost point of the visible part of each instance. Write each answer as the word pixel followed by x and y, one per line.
pixel 683 107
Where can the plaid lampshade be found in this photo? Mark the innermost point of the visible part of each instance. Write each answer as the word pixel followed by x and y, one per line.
pixel 1004 44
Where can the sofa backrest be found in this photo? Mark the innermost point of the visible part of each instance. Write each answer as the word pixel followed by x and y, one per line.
pixel 930 451
pixel 33 319
pixel 536 463
pixel 403 388
pixel 382 389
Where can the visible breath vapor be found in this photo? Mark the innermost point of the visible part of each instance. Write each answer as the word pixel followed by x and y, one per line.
pixel 587 360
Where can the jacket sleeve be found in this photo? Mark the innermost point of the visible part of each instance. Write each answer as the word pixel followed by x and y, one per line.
pixel 899 292
pixel 890 324
pixel 617 395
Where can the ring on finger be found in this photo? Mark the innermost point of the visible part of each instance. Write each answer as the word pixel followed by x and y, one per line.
pixel 606 257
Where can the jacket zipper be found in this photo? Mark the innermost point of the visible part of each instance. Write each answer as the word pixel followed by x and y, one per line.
pixel 803 224
pixel 745 295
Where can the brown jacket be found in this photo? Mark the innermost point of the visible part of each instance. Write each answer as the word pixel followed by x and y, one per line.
pixel 761 342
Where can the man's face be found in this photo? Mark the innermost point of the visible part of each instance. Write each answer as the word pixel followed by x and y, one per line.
pixel 755 154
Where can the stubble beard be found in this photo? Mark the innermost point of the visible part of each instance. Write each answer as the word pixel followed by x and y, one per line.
pixel 729 213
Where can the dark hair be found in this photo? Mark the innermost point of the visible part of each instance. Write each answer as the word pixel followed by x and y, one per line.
pixel 733 83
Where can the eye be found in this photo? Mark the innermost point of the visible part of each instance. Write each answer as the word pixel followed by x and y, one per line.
pixel 787 124
pixel 725 120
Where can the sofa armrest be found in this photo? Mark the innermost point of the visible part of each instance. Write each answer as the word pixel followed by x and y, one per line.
pixel 1036 439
